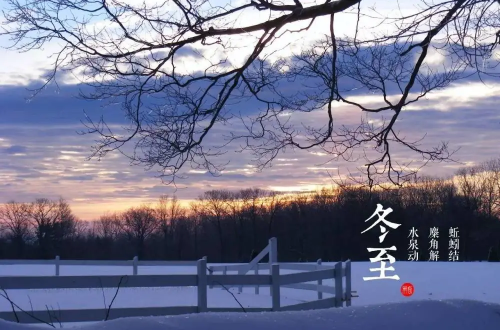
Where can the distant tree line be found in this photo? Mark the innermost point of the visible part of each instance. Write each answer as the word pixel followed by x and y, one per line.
pixel 233 226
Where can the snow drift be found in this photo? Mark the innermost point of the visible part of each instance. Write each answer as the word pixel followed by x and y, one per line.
pixel 414 315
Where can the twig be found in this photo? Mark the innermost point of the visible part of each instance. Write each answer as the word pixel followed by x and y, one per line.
pixel 22 310
pixel 103 295
pixel 11 305
pixel 58 318
pixel 116 293
pixel 50 316
pixel 31 304
pixel 222 285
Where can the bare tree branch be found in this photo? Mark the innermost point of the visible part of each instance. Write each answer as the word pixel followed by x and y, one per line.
pixel 22 310
pixel 135 55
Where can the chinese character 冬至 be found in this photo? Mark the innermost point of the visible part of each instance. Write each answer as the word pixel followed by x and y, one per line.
pixel 382 268
pixel 381 218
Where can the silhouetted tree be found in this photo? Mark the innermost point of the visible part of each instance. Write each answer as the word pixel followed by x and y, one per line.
pixel 139 224
pixel 15 223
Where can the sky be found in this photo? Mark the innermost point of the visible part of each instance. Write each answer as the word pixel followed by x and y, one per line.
pixel 42 153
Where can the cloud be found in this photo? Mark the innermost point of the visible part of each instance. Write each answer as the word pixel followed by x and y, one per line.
pixel 54 157
pixel 189 52
pixel 78 178
pixel 14 150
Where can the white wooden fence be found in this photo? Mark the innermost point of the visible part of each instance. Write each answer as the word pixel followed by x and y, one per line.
pixel 342 294
pixel 345 272
pixel 134 263
pixel 272 250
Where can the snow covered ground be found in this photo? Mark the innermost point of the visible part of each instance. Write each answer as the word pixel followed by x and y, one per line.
pixel 439 302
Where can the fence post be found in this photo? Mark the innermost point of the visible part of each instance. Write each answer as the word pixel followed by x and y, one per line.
pixel 273 256
pixel 338 284
pixel 134 265
pixel 273 250
pixel 320 282
pixel 202 285
pixel 275 287
pixel 210 271
pixel 256 272
pixel 240 289
pixel 348 288
pixel 57 263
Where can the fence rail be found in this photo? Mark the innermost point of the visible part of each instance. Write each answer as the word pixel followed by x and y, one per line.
pixel 272 250
pixel 134 263
pixel 202 280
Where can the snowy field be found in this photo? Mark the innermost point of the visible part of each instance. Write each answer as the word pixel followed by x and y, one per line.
pixel 440 289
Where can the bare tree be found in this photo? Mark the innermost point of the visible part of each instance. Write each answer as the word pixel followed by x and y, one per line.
pixel 480 186
pixel 234 203
pixel 67 223
pixel 15 222
pixel 180 233
pixel 323 202
pixel 53 222
pixel 471 187
pixel 139 224
pixel 490 177
pixel 108 226
pixel 196 217
pixel 168 212
pixel 430 192
pixel 300 226
pixel 253 201
pixel 81 228
pixel 133 54
pixel 163 215
pixel 274 202
pixel 44 215
pixel 215 207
